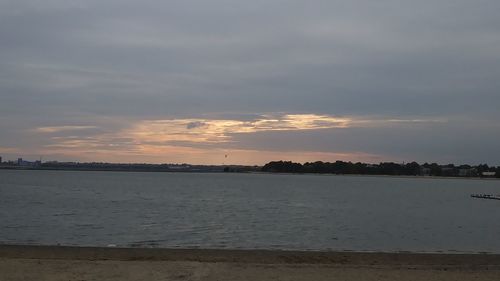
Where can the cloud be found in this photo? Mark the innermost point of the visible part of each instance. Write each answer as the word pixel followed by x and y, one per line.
pixel 146 136
pixel 9 149
pixel 57 129
pixel 220 130
pixel 195 124
pixel 305 134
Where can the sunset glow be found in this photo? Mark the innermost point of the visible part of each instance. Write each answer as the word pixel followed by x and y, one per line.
pixel 205 140
pixel 173 139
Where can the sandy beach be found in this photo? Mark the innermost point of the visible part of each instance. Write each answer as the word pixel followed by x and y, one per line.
pixel 79 263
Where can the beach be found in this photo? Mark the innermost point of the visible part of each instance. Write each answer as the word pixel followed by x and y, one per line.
pixel 91 263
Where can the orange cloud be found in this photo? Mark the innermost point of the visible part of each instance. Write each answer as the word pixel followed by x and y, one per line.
pixel 182 140
pixel 220 130
pixel 148 140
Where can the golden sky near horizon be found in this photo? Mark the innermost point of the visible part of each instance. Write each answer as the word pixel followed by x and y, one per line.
pixel 201 140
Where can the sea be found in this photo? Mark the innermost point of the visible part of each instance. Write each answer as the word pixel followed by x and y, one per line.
pixel 248 211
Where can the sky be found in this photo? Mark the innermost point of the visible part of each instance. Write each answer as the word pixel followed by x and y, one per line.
pixel 191 81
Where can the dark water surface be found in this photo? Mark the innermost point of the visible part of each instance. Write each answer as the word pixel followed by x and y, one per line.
pixel 257 211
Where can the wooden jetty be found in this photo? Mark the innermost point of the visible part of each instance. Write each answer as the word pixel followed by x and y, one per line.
pixel 486 196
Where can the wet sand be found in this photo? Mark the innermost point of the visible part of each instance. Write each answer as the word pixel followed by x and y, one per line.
pixel 79 263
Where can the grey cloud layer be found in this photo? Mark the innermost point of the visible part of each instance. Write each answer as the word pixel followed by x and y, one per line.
pixel 72 63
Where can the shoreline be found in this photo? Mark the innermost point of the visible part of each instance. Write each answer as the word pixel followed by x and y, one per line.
pixel 252 172
pixel 58 263
pixel 248 256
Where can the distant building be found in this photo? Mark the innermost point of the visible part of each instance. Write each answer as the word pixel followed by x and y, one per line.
pixel 425 171
pixel 467 172
pixel 447 172
pixel 21 162
pixel 488 174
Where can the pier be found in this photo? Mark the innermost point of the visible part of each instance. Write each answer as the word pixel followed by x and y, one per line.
pixel 485 196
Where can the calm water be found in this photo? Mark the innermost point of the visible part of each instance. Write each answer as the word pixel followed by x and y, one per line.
pixel 304 212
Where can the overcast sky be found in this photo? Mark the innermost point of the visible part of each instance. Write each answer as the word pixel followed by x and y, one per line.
pixel 192 81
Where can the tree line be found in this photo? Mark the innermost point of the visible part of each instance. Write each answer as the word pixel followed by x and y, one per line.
pixel 384 168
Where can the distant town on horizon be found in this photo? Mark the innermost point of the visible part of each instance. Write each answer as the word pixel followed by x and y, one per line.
pixel 317 167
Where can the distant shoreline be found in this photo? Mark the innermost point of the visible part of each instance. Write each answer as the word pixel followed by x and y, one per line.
pixel 103 170
pixel 377 176
pixel 239 172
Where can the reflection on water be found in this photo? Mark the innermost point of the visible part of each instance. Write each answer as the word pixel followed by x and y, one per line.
pixel 301 212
